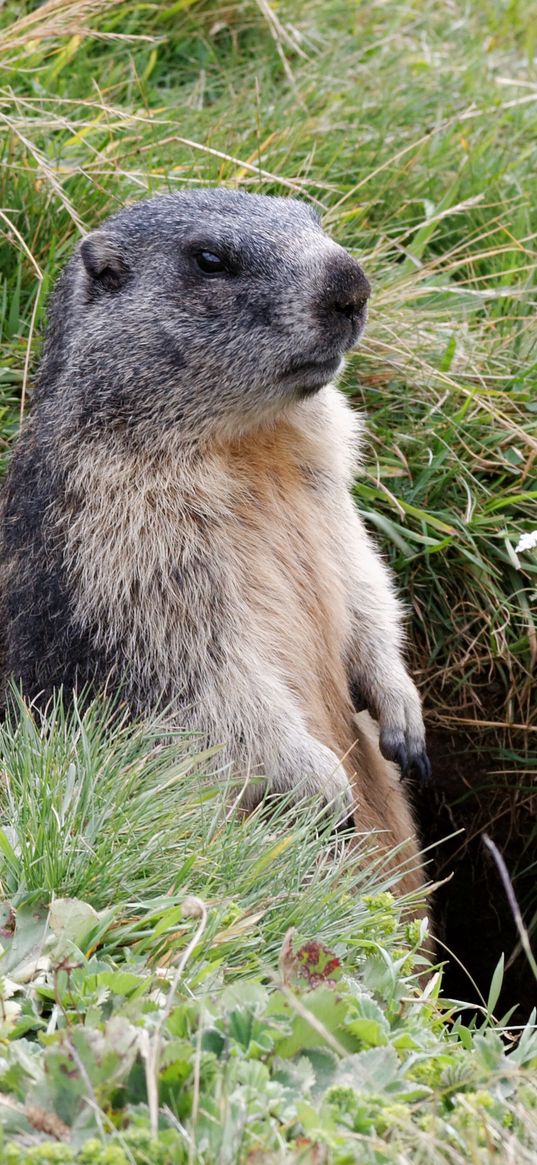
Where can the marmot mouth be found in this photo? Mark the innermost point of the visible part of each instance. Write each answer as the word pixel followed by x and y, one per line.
pixel 311 374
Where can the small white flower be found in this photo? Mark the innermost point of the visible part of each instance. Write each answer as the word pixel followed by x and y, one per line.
pixel 527 542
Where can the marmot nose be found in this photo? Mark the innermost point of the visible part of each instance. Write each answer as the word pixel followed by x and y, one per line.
pixel 345 290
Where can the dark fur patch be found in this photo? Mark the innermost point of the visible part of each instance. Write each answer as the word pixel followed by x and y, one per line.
pixel 255 310
pixel 41 648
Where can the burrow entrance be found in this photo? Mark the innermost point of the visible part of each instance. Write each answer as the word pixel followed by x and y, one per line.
pixel 472 915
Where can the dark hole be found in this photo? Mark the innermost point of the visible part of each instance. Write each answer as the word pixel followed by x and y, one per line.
pixel 472 915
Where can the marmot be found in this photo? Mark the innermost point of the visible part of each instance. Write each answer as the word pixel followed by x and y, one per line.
pixel 177 520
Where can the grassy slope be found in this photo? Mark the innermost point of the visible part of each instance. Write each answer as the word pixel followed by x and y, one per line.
pixel 414 130
pixel 250 979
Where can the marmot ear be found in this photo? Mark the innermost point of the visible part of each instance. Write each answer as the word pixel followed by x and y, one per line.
pixel 103 261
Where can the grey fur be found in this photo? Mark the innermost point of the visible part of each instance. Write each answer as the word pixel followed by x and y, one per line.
pixel 177 518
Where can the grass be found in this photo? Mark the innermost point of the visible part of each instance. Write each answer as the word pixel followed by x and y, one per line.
pixel 412 129
pixel 180 984
pixel 95 808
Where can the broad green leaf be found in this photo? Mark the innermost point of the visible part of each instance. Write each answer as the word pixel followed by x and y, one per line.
pixel 371 1071
pixel 24 949
pixel 71 919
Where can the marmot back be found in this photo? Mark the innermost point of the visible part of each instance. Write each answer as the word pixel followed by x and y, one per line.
pixel 177 521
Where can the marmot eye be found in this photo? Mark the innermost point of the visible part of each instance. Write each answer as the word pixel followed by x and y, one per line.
pixel 209 263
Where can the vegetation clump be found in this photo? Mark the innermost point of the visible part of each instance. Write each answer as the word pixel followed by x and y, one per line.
pixel 247 987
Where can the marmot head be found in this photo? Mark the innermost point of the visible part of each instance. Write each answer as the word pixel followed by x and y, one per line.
pixel 206 312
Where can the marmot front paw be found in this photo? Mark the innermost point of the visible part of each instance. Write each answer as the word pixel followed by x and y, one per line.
pixel 408 751
pixel 402 732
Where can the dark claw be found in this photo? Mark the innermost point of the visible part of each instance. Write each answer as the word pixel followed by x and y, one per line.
pixel 418 766
pixel 422 767
pixel 401 758
pixel 412 759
